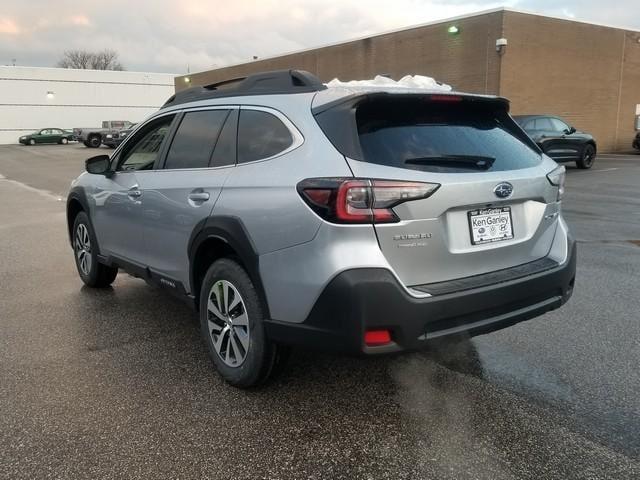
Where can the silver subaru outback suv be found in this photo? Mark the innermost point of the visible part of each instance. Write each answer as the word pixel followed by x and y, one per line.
pixel 361 219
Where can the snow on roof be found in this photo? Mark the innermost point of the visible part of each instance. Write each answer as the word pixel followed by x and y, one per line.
pixel 407 82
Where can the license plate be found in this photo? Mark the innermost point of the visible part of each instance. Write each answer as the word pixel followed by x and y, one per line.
pixel 489 225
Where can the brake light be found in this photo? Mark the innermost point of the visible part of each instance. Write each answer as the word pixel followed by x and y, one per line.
pixel 445 98
pixel 342 200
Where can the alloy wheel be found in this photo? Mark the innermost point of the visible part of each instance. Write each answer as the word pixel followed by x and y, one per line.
pixel 83 249
pixel 588 157
pixel 228 323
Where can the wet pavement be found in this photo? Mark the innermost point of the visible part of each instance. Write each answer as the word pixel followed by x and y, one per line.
pixel 117 384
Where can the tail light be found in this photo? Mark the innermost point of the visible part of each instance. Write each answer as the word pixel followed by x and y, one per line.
pixel 557 177
pixel 357 200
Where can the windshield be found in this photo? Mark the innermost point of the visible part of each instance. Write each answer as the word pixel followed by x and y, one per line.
pixel 440 136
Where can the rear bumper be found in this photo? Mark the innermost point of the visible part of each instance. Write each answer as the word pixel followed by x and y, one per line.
pixel 371 298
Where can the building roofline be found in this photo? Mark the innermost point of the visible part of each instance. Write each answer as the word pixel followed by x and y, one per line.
pixel 89 70
pixel 412 27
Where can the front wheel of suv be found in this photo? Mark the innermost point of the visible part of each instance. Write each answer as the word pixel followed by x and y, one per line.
pixel 231 321
pixel 92 273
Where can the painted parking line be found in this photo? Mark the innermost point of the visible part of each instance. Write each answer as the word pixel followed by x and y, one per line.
pixel 43 193
pixel 606 170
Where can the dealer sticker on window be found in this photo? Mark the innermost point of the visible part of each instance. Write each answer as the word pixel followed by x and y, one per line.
pixel 490 225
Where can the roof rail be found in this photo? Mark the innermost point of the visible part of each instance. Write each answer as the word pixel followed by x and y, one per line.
pixel 265 83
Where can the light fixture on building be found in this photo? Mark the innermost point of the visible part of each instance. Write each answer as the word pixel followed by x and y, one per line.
pixel 501 45
pixel 453 30
pixel 187 80
pixel 50 95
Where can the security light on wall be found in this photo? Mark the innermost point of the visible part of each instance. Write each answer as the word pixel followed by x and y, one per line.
pixel 187 80
pixel 453 30
pixel 51 95
pixel 501 45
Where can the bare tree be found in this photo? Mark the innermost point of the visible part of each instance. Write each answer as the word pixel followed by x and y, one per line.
pixel 103 60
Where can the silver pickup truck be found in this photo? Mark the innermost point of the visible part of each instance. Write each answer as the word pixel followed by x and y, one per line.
pixel 92 137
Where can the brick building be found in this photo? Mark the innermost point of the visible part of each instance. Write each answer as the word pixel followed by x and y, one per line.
pixel 589 74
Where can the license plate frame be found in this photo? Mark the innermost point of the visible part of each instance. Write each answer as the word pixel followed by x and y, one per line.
pixel 491 215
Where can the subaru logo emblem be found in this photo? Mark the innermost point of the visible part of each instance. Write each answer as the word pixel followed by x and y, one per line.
pixel 503 190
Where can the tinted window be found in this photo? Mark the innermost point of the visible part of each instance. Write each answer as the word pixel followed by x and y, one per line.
pixel 141 151
pixel 440 137
pixel 195 139
pixel 529 126
pixel 261 135
pixel 225 152
pixel 559 125
pixel 542 123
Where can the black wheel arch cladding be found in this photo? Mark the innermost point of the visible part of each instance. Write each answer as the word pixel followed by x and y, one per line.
pixel 233 233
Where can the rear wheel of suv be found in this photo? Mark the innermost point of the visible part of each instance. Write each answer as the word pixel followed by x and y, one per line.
pixel 231 321
pixel 93 273
pixel 588 156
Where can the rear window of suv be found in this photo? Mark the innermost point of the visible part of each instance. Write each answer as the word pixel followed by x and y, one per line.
pixel 437 136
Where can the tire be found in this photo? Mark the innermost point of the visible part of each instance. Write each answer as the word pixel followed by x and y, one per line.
pixel 93 141
pixel 64 141
pixel 588 157
pixel 93 273
pixel 32 141
pixel 237 343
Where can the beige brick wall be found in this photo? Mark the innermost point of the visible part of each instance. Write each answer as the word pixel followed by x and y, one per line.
pixel 467 61
pixel 588 74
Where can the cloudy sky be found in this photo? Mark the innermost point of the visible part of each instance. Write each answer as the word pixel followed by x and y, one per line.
pixel 173 35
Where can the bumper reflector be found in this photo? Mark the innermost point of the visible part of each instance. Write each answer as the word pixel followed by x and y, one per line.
pixel 374 338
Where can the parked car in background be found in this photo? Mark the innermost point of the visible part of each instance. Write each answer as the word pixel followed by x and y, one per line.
pixel 92 137
pixel 369 219
pixel 47 135
pixel 112 140
pixel 559 140
pixel 636 141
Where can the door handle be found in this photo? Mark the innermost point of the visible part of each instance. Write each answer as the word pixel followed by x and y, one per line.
pixel 199 196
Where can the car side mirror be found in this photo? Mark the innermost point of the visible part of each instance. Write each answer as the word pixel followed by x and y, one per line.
pixel 98 165
pixel 570 130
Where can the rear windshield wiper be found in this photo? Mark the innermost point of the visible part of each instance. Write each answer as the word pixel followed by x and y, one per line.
pixel 478 162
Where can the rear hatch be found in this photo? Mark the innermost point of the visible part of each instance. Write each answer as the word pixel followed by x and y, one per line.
pixel 494 208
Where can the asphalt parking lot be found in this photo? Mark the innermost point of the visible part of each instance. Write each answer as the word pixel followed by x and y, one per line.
pixel 117 384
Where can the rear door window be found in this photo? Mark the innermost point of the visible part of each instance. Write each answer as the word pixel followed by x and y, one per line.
pixel 195 139
pixel 225 151
pixel 440 136
pixel 261 135
pixel 543 123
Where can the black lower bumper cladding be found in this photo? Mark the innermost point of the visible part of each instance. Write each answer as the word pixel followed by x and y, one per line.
pixel 371 299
